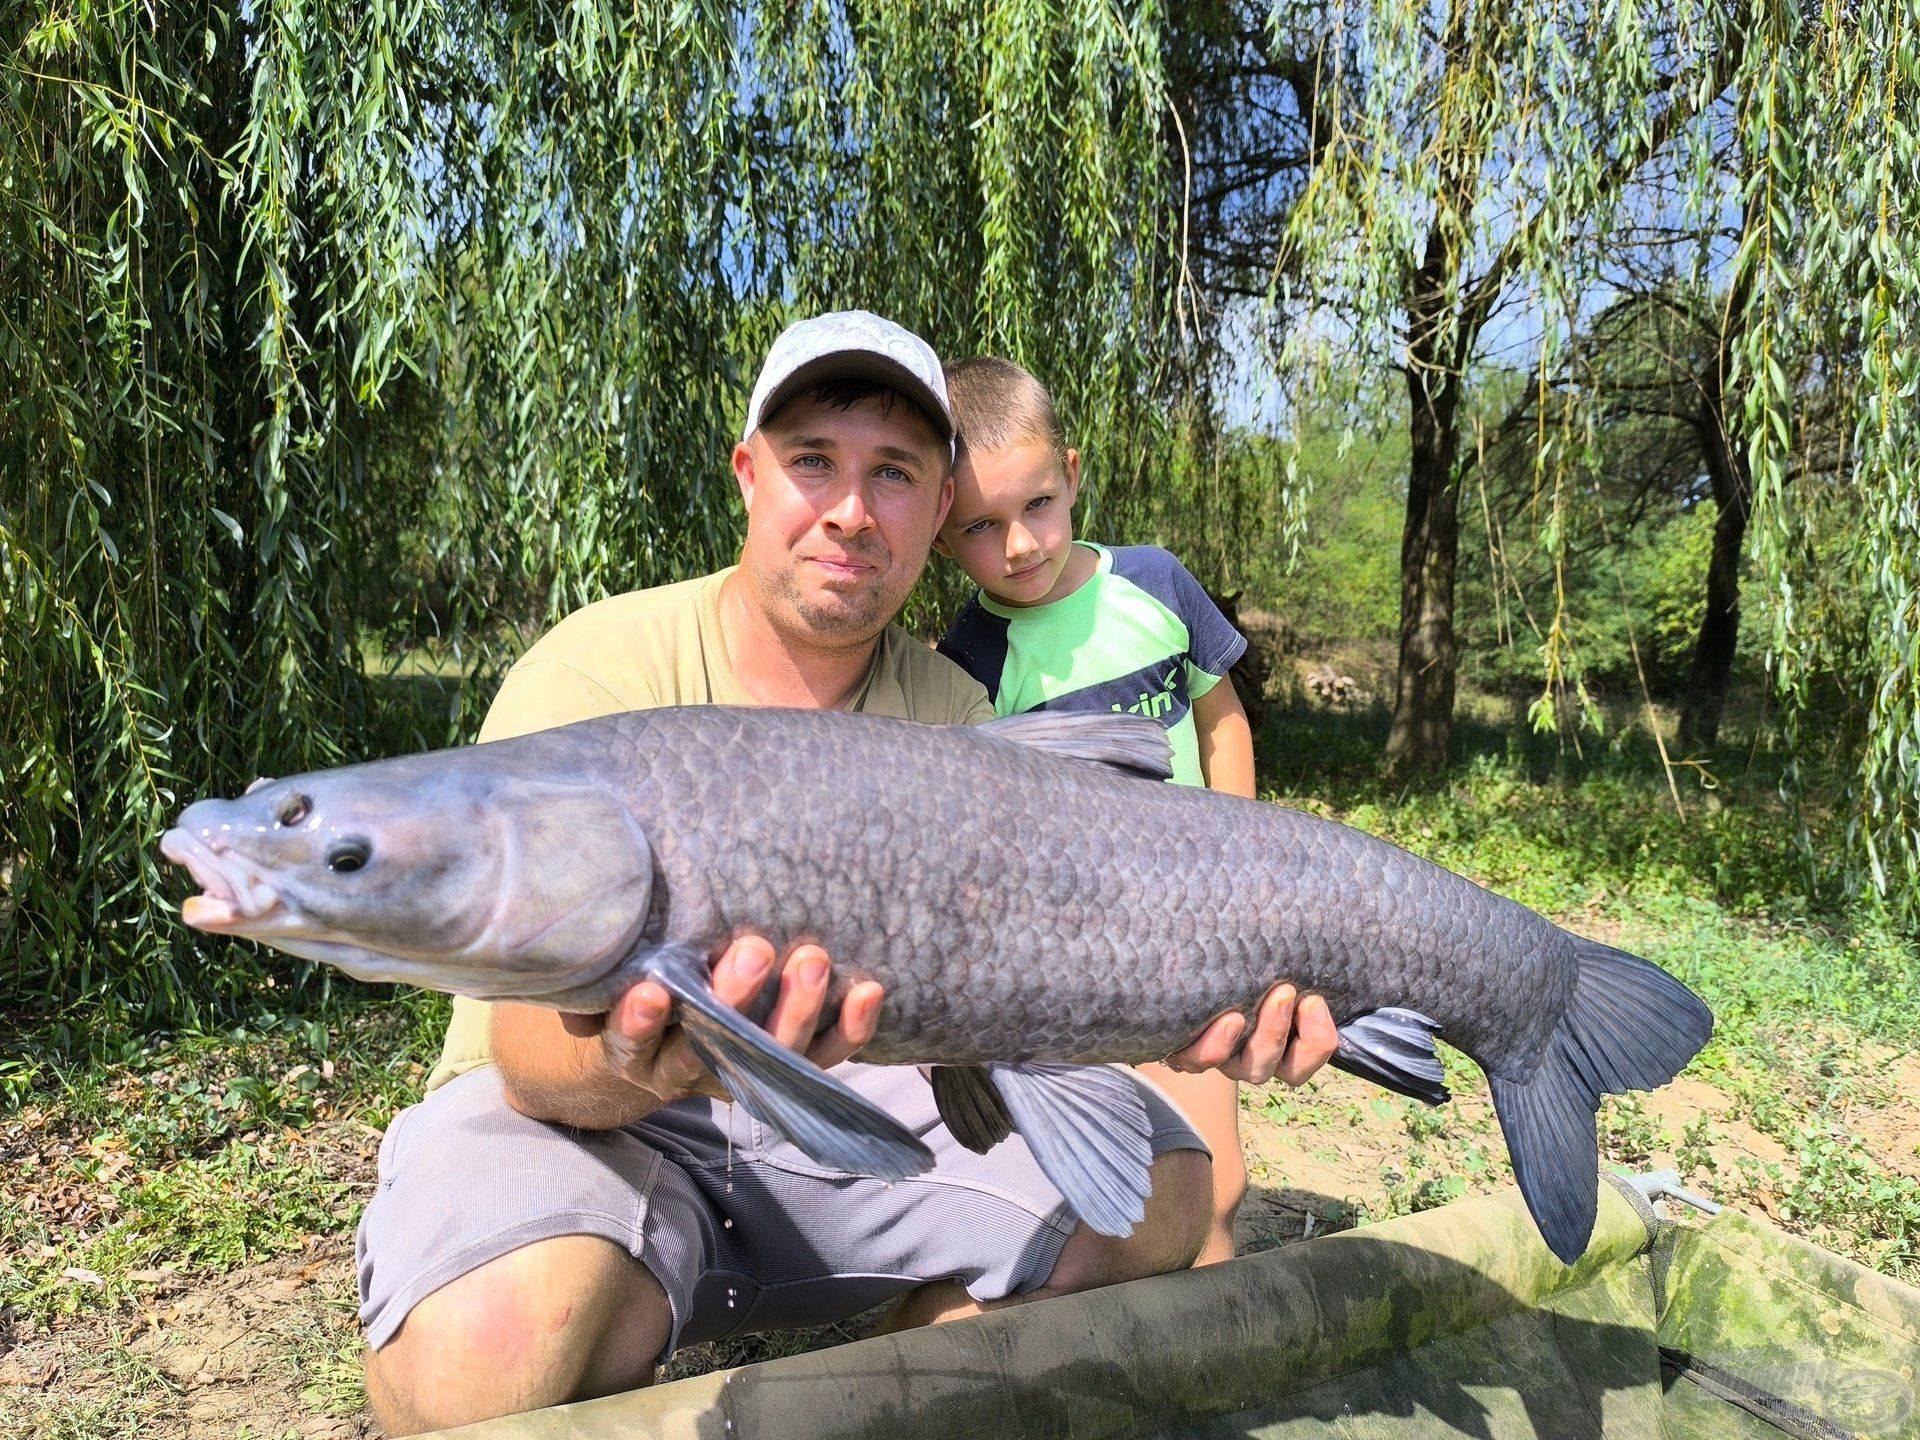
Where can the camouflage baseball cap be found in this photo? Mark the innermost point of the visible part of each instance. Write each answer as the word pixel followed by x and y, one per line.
pixel 850 345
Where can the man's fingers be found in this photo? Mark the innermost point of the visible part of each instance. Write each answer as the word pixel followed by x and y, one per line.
pixel 1213 1047
pixel 742 969
pixel 631 1032
pixel 1259 1058
pixel 803 991
pixel 583 1027
pixel 858 1022
pixel 1315 1039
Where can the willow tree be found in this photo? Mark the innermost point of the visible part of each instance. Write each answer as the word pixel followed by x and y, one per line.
pixel 1470 158
pixel 329 328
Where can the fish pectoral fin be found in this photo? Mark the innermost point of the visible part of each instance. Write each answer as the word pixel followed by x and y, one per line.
pixel 1088 1129
pixel 971 1105
pixel 1131 743
pixel 811 1108
pixel 1394 1048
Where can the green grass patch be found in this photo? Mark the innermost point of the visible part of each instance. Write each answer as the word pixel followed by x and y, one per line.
pixel 200 1154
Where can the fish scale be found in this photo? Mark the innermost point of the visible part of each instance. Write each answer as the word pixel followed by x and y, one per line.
pixel 1032 902
pixel 1095 946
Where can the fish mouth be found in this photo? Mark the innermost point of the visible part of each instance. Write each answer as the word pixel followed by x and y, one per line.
pixel 234 900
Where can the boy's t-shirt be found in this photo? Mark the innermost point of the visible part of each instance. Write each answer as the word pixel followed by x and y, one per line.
pixel 1140 635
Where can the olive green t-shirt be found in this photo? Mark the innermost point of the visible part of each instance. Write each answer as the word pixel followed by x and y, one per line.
pixel 665 647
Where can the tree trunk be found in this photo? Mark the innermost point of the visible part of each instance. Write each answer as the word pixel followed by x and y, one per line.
pixel 1430 540
pixel 1711 672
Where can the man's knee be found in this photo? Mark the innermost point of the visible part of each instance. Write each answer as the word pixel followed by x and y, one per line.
pixel 1179 1219
pixel 563 1319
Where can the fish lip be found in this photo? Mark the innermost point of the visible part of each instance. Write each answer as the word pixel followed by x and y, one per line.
pixel 232 894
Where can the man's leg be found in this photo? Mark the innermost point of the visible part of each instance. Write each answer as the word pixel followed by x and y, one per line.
pixel 562 1319
pixel 1179 1217
pixel 506 1265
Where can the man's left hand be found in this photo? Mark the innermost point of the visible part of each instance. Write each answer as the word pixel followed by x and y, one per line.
pixel 1289 1042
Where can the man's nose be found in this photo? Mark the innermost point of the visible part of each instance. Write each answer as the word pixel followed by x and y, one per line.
pixel 849 513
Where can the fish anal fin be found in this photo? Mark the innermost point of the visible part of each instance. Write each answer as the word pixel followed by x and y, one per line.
pixel 1088 1129
pixel 971 1106
pixel 1394 1048
pixel 1131 743
pixel 817 1112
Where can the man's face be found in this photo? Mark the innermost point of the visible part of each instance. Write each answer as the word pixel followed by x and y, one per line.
pixel 842 506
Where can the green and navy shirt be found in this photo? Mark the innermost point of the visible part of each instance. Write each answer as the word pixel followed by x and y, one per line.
pixel 1140 635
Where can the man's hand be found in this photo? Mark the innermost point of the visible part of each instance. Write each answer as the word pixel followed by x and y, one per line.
pixel 642 1047
pixel 1289 1041
pixel 595 1072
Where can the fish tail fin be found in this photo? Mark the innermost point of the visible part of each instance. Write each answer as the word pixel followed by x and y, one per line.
pixel 779 1088
pixel 1394 1048
pixel 1629 1026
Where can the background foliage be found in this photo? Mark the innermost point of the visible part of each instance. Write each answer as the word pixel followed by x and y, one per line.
pixel 344 345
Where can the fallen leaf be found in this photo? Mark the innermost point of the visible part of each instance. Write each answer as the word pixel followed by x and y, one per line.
pixel 82 1277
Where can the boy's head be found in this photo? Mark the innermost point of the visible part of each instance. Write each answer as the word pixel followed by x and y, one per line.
pixel 1014 483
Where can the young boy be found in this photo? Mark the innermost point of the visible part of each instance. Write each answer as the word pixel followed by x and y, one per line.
pixel 1078 626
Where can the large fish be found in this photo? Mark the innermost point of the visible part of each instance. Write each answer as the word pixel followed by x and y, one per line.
pixel 1033 902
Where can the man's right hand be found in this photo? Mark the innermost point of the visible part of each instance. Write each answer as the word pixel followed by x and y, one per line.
pixel 598 1071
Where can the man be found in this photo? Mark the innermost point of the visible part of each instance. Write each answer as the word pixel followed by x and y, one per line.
pixel 550 1226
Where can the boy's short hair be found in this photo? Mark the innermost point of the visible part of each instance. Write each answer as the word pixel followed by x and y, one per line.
pixel 996 403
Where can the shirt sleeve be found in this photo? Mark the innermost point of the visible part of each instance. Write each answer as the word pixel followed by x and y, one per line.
pixel 1213 644
pixel 542 694
pixel 977 643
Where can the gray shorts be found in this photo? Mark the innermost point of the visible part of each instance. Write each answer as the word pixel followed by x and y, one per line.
pixel 742 1230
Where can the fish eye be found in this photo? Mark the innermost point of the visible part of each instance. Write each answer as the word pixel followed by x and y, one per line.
pixel 347 856
pixel 295 808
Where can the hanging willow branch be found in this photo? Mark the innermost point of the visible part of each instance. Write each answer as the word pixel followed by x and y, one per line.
pixel 335 330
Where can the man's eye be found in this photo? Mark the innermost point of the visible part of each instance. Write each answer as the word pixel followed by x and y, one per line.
pixel 894 472
pixel 809 462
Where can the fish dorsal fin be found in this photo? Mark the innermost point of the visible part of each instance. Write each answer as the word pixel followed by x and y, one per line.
pixel 1127 742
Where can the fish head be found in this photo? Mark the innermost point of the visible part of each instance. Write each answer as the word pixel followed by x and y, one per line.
pixel 453 877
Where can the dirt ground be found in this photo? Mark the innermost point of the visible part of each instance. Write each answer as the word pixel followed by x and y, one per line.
pixel 272 1350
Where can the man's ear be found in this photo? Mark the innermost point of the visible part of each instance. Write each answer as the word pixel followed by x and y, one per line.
pixel 946 509
pixel 1072 466
pixel 942 548
pixel 743 473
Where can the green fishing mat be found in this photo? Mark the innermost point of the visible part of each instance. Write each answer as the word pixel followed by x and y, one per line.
pixel 1454 1322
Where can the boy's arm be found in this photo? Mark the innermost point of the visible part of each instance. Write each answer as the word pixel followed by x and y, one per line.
pixel 1226 740
pixel 1288 1042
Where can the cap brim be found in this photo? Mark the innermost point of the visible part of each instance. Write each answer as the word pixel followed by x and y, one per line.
pixel 857 365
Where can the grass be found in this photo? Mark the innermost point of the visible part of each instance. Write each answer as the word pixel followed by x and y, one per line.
pixel 201 1154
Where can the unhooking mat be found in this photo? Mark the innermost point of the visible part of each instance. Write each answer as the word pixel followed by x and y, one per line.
pixel 1454 1322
